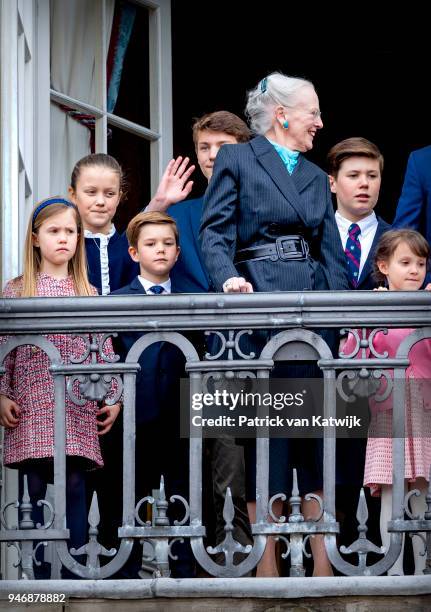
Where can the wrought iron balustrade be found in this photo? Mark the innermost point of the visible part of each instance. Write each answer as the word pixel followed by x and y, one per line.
pixel 294 320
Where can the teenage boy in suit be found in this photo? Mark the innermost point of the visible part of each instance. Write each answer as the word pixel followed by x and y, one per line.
pixel 355 173
pixel 153 244
pixel 210 132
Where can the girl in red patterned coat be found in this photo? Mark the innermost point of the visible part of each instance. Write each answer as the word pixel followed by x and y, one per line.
pixel 54 266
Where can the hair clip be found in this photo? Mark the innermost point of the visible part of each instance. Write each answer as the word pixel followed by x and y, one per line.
pixel 263 85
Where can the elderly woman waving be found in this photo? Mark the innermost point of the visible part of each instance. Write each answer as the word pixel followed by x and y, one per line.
pixel 268 225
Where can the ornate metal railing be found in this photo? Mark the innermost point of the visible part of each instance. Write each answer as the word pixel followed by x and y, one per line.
pixel 294 320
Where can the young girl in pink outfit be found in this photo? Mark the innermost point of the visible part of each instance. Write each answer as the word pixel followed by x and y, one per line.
pixel 401 261
pixel 54 266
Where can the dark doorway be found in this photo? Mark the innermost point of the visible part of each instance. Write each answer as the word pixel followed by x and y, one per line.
pixel 370 67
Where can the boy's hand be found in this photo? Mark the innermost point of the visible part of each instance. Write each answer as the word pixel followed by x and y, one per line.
pixel 105 424
pixel 9 412
pixel 174 186
pixel 380 289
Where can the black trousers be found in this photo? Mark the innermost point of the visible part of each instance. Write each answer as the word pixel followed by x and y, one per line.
pixel 228 470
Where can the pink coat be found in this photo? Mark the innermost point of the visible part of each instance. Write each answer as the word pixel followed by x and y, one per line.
pixel 419 357
pixel 378 460
pixel 29 383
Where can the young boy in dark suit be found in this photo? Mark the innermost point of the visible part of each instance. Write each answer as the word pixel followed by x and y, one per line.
pixel 153 244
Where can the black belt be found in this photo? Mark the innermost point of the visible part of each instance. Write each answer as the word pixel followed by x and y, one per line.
pixel 286 248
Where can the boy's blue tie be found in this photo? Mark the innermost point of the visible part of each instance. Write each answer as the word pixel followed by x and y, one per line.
pixel 156 289
pixel 353 253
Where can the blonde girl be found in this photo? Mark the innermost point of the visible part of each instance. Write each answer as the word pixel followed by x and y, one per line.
pixel 54 266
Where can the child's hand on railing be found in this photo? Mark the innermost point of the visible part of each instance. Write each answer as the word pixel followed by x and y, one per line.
pixel 108 414
pixel 9 412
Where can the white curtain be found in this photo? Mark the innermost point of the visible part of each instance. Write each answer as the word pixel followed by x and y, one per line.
pixel 75 30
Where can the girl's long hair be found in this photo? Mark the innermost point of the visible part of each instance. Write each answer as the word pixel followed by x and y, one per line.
pixel 77 267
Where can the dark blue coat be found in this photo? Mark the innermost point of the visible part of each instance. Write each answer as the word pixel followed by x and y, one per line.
pixel 162 366
pixel 189 274
pixel 414 205
pixel 122 269
pixel 251 199
pixel 366 280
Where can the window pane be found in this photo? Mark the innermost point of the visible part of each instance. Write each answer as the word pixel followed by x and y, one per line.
pixel 128 64
pixel 133 154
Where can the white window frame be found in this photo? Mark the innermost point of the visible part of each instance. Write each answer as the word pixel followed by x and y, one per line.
pixel 25 101
pixel 160 85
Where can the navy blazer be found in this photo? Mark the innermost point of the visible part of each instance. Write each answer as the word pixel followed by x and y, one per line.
pixel 122 268
pixel 189 274
pixel 414 205
pixel 251 199
pixel 162 366
pixel 366 280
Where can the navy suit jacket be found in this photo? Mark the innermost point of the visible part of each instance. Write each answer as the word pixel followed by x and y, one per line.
pixel 122 268
pixel 251 199
pixel 414 205
pixel 189 274
pixel 366 280
pixel 162 366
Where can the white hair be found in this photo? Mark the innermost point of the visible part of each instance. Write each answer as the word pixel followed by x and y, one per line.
pixel 275 90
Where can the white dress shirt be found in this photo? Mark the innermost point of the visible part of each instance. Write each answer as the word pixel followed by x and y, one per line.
pixel 104 259
pixel 368 228
pixel 147 284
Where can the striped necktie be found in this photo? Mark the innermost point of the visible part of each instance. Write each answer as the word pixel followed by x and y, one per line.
pixel 353 254
pixel 156 289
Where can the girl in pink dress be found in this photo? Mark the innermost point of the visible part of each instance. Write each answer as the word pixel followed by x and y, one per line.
pixel 401 261
pixel 54 266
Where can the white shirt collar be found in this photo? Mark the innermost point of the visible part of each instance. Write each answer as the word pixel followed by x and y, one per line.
pixel 102 237
pixel 366 224
pixel 147 284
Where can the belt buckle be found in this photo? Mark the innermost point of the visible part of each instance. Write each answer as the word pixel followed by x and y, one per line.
pixel 293 255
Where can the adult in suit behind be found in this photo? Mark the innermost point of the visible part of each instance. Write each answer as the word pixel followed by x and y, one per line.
pixel 414 206
pixel 268 222
pixel 355 168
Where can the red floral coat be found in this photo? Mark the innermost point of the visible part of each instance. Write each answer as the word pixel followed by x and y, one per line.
pixel 29 383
